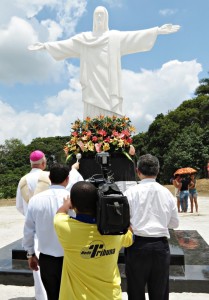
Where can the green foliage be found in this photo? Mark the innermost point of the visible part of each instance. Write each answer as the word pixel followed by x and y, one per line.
pixel 186 150
pixel 203 88
pixel 14 160
pixel 178 139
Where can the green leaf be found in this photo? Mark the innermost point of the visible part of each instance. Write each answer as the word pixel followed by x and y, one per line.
pixel 69 157
pixel 127 155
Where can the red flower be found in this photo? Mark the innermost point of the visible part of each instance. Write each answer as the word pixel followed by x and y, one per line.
pixel 94 138
pixel 129 140
pixel 88 133
pixel 107 139
pixel 74 133
pixel 102 132
pixel 126 132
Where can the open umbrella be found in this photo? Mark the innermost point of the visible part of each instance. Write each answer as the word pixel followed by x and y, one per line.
pixel 187 170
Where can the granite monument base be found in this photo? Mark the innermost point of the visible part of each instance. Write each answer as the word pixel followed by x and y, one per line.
pixel 189 267
pixel 14 268
pixel 123 169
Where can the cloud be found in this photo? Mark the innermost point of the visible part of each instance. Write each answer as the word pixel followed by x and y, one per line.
pixel 167 12
pixel 23 8
pixel 28 125
pixel 149 93
pixel 68 13
pixel 21 25
pixel 114 3
pixel 18 64
pixel 146 94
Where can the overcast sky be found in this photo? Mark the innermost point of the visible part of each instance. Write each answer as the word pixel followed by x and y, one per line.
pixel 40 97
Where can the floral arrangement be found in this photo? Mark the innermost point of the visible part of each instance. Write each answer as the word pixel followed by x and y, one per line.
pixel 108 134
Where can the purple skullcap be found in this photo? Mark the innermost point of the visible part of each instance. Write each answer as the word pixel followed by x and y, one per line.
pixel 36 155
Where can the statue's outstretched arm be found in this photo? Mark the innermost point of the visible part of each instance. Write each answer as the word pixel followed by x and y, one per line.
pixel 168 28
pixel 36 46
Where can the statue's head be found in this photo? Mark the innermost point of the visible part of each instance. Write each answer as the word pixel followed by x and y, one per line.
pixel 100 21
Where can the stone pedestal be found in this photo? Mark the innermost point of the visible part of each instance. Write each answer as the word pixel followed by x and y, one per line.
pixel 122 168
pixel 189 268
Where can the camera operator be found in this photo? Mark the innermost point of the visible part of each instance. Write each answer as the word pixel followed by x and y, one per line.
pixel 90 259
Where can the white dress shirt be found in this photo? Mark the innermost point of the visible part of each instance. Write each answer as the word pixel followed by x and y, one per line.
pixel 152 208
pixel 39 220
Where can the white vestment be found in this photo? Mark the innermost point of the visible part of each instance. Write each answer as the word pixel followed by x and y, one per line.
pixel 100 64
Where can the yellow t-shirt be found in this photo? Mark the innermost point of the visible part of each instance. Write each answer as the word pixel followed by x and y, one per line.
pixel 90 268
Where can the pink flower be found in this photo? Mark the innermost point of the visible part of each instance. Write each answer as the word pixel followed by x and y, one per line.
pixel 131 150
pixel 115 133
pixel 81 145
pixel 98 147
pixel 121 135
pixel 126 132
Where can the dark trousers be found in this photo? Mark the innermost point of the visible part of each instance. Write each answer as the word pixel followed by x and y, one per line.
pixel 51 271
pixel 147 264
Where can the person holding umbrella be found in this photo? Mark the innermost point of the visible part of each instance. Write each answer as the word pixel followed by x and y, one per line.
pixel 184 192
pixel 184 189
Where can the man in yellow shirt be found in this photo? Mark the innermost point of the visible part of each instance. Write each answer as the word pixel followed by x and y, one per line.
pixel 90 268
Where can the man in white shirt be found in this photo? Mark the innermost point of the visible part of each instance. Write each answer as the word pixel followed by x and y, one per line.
pixel 39 221
pixel 152 210
pixel 36 181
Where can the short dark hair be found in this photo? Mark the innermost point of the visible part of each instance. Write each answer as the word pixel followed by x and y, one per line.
pixel 148 165
pixel 58 173
pixel 84 197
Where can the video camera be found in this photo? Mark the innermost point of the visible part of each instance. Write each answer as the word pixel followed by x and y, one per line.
pixel 106 176
pixel 113 214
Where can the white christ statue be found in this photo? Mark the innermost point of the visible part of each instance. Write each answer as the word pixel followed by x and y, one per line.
pixel 100 54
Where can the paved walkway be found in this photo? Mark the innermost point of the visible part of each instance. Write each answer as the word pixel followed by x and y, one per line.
pixel 11 227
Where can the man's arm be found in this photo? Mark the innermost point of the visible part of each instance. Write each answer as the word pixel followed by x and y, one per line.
pixel 74 176
pixel 28 240
pixel 66 206
pixel 29 231
pixel 174 220
pixel 33 263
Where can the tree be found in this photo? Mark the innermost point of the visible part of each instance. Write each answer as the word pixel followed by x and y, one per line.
pixel 203 88
pixel 187 150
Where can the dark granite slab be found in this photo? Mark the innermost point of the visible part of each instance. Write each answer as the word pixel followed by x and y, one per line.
pixel 14 271
pixel 189 269
pixel 177 254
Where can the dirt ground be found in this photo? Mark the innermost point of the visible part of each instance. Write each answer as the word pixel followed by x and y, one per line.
pixel 202 188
